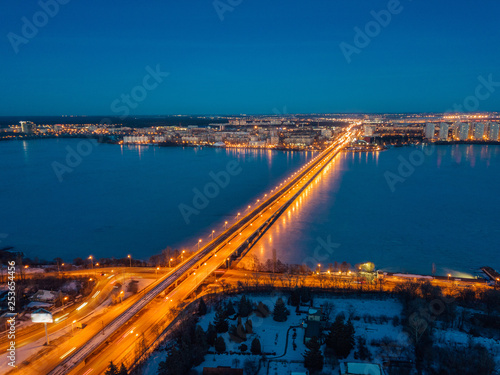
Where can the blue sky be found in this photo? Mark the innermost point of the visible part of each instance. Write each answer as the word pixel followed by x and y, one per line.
pixel 261 57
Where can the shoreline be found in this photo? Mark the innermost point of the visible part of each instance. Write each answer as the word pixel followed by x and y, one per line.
pixel 112 142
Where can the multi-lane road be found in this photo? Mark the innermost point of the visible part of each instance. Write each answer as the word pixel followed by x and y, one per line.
pixel 118 337
pixel 66 320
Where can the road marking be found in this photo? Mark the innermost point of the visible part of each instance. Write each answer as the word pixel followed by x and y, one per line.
pixel 61 317
pixel 81 306
pixel 88 371
pixel 96 294
pixel 67 353
pixel 95 341
pixel 125 335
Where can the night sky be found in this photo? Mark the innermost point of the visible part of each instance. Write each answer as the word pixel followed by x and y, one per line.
pixel 252 57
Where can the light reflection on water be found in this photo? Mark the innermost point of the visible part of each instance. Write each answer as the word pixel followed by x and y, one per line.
pixel 444 213
pixel 124 199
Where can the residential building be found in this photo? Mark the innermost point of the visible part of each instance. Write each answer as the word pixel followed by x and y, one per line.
pixel 461 131
pixel 443 131
pixel 27 127
pixel 369 130
pixel 222 370
pixel 493 131
pixel 360 368
pixel 312 325
pixel 479 131
pixel 430 130
pixel 46 296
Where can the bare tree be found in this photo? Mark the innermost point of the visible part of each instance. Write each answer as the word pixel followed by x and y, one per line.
pixel 256 278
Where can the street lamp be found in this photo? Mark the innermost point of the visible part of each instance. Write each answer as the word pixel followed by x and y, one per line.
pixel 449 275
pixel 157 268
pixel 225 225
pixel 91 261
pixel 169 261
pixel 199 241
pixel 130 259
pixel 182 255
pixel 64 299
pixel 213 231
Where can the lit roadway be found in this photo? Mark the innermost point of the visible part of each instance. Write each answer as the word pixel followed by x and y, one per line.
pixel 350 280
pixel 33 332
pixel 69 318
pixel 72 313
pixel 119 342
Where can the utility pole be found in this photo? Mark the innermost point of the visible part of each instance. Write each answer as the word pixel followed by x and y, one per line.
pixel 46 334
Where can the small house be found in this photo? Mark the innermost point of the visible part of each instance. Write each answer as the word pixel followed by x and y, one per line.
pixel 360 368
pixel 222 370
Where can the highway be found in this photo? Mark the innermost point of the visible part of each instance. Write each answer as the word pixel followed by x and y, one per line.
pixel 30 338
pixel 71 313
pixel 350 280
pixel 191 272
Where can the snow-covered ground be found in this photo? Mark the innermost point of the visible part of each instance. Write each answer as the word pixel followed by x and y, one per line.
pixel 372 319
pixel 273 335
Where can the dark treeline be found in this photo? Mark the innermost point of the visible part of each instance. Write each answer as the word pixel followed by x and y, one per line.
pixel 426 308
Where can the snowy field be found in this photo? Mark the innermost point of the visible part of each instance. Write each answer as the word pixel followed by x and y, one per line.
pixel 273 335
pixel 378 321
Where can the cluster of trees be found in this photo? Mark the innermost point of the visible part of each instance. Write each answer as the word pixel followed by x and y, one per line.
pixel 277 266
pixel 158 260
pixel 163 259
pixel 237 332
pixel 313 357
pixel 300 295
pixel 471 360
pixel 424 306
pixel 110 262
pixel 487 299
pixel 113 369
pixel 340 341
pixel 280 312
pixel 8 254
pixel 419 317
pixel 29 286
pixel 362 351
pixel 190 349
